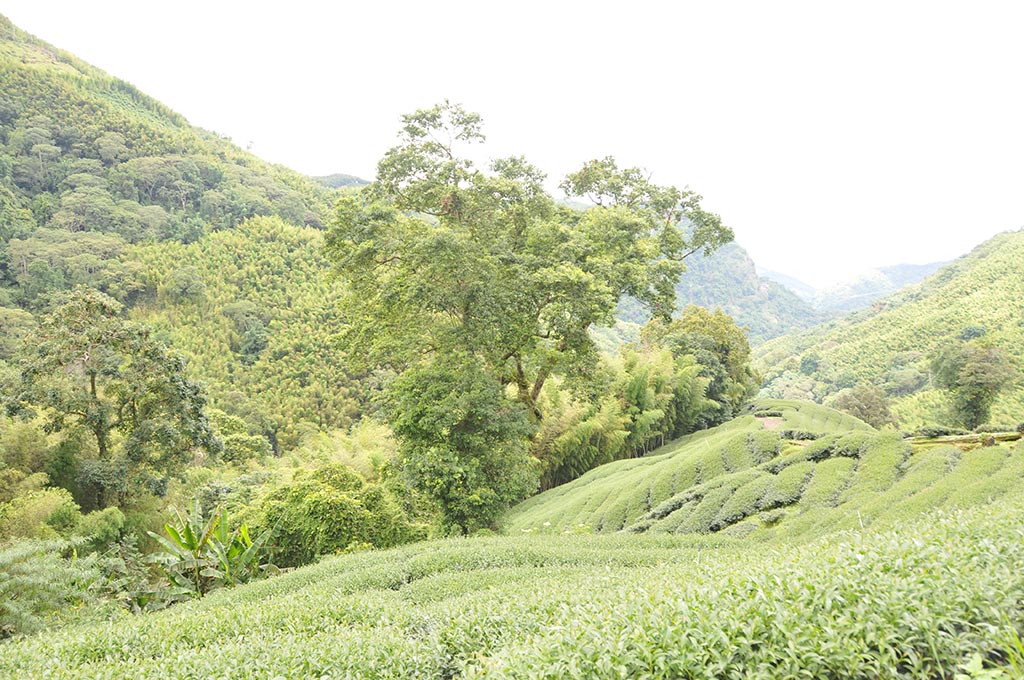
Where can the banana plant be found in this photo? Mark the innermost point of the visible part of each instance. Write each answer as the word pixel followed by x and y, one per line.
pixel 200 554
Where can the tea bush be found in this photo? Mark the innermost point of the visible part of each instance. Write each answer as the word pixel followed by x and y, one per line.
pixel 859 604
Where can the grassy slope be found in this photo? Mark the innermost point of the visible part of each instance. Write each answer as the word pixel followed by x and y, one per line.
pixel 984 288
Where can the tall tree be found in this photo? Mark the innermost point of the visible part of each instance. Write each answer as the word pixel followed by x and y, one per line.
pixel 448 256
pixel 721 349
pixel 443 259
pixel 974 373
pixel 88 367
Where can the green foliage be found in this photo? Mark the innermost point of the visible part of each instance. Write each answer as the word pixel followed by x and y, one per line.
pixel 329 512
pixel 651 397
pixel 43 514
pixel 974 374
pixel 101 528
pixel 89 368
pixel 721 349
pixel 268 282
pixel 200 553
pixel 39 586
pixel 461 442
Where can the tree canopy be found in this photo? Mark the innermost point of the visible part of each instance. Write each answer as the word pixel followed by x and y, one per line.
pixel 444 259
pixel 86 367
pixel 973 373
pixel 442 255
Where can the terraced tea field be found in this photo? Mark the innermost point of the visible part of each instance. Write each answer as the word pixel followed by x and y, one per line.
pixel 856 555
pixel 742 479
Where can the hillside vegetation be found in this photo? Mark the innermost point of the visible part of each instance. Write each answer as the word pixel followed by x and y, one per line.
pixel 978 297
pixel 742 479
pixel 727 279
pixel 254 310
pixel 921 601
pixel 89 165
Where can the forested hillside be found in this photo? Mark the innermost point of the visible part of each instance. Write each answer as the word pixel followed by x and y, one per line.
pixel 728 280
pixel 90 165
pixel 977 301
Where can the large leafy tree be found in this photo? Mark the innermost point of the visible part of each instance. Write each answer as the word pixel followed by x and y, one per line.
pixel 443 259
pixel 444 255
pixel 89 368
pixel 973 373
pixel 720 348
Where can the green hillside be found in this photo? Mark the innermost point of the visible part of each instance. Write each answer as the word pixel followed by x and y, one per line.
pixel 254 310
pixel 744 479
pixel 90 165
pixel 979 296
pixel 102 186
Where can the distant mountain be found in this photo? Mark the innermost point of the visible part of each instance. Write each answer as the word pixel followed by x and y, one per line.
pixel 872 285
pixel 803 290
pixel 859 292
pixel 339 180
pixel 892 343
pixel 728 279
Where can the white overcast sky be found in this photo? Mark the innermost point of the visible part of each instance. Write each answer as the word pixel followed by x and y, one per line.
pixel 832 136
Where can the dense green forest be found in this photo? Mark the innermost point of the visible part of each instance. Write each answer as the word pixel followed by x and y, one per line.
pixel 340 428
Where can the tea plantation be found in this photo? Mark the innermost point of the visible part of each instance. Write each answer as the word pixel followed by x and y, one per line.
pixel 855 555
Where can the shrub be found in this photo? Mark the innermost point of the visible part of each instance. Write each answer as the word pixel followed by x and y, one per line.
pixel 329 511
pixel 937 431
pixel 800 435
pixel 101 528
pixel 992 427
pixel 44 514
pixel 849 445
